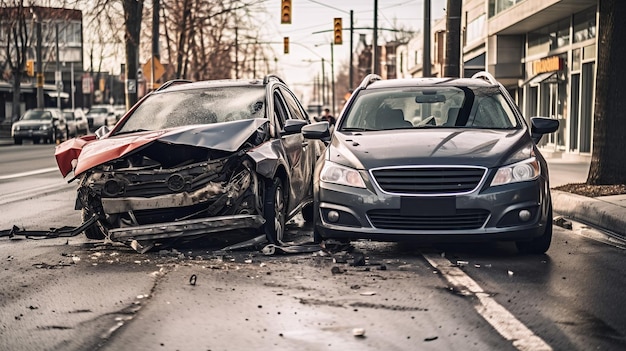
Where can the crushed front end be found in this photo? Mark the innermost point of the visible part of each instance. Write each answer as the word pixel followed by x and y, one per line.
pixel 165 190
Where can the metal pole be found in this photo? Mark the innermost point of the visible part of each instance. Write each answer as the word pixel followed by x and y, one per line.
pixel 426 50
pixel 324 99
pixel 351 83
pixel 40 78
pixel 236 53
pixel 73 87
pixel 332 73
pixel 376 68
pixel 155 40
pixel 58 81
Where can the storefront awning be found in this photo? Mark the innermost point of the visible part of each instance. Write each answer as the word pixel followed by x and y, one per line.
pixel 540 78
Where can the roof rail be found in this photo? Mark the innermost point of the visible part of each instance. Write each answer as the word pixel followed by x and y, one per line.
pixel 172 82
pixel 267 78
pixel 369 79
pixel 485 76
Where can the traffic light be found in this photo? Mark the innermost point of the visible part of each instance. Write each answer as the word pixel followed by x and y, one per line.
pixel 30 68
pixel 285 12
pixel 338 30
pixel 286 45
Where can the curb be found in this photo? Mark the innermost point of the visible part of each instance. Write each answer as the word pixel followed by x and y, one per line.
pixel 592 211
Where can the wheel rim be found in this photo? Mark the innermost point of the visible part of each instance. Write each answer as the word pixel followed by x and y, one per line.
pixel 279 215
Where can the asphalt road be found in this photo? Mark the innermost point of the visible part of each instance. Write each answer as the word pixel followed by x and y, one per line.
pixel 77 294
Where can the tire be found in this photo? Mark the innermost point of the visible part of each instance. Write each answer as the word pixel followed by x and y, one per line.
pixel 17 141
pixel 274 209
pixel 307 212
pixel 94 232
pixel 540 244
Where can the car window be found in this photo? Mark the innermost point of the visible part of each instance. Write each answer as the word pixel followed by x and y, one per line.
pixel 430 107
pixel 69 116
pixel 37 115
pixel 280 111
pixel 197 106
pixel 98 110
pixel 295 109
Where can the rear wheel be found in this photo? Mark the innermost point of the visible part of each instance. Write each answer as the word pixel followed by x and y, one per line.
pixel 274 209
pixel 540 244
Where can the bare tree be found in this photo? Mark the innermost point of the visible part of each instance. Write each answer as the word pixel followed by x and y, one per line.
pixel 608 160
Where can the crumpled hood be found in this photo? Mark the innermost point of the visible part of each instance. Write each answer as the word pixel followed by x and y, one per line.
pixel 487 148
pixel 91 152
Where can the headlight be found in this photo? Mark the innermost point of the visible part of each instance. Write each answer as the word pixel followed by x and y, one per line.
pixel 337 174
pixel 518 172
pixel 16 128
pixel 44 127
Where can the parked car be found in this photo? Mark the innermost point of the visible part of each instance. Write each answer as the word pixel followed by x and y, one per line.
pixel 197 158
pixel 119 110
pixel 40 125
pixel 434 159
pixel 100 115
pixel 77 124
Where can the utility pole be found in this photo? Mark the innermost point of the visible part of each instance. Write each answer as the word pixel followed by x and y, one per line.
pixel 376 59
pixel 332 74
pixel 155 40
pixel 351 83
pixel 58 78
pixel 40 79
pixel 426 50
pixel 453 39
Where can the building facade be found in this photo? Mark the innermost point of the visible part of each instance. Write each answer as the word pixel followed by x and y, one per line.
pixel 61 53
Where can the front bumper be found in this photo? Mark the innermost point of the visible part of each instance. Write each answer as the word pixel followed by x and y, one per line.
pixel 30 134
pixel 186 228
pixel 482 215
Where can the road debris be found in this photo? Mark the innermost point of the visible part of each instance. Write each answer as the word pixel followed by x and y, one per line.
pixel 193 279
pixel 358 332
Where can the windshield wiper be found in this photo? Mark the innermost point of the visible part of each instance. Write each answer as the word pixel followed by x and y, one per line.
pixel 131 131
pixel 355 129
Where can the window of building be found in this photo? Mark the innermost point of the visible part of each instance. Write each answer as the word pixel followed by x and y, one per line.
pixel 585 25
pixel 550 37
pixel 497 6
pixel 476 29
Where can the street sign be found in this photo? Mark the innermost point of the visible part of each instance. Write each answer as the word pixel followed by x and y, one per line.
pixel 159 70
pixel 131 86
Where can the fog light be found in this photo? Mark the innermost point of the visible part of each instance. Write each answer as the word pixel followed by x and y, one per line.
pixel 112 188
pixel 333 216
pixel 524 215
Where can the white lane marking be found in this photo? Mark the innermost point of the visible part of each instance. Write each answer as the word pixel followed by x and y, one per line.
pixel 502 320
pixel 29 173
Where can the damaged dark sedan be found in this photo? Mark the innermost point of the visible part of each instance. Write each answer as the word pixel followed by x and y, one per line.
pixel 196 158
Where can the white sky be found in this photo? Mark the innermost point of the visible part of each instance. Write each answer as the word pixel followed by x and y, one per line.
pixel 310 16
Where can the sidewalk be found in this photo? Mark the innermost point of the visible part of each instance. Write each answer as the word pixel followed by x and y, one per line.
pixel 606 212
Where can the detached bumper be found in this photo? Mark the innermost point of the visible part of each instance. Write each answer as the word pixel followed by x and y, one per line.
pixel 191 227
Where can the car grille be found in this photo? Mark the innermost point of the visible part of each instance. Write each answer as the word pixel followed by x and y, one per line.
pixel 464 219
pixel 428 180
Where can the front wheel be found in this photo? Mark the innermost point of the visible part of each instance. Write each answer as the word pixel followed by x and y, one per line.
pixel 540 244
pixel 274 209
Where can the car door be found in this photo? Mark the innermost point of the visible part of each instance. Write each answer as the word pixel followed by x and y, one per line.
pixel 295 148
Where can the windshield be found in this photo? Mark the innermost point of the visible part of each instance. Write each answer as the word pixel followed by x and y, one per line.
pixel 98 110
pixel 37 115
pixel 430 107
pixel 198 106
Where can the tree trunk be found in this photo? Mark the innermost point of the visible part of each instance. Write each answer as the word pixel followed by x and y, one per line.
pixel 451 66
pixel 608 159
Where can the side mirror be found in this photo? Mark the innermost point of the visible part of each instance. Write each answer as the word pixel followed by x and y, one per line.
pixel 319 130
pixel 542 125
pixel 102 131
pixel 293 126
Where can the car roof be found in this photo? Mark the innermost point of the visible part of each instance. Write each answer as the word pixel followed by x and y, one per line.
pixel 428 82
pixel 219 83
